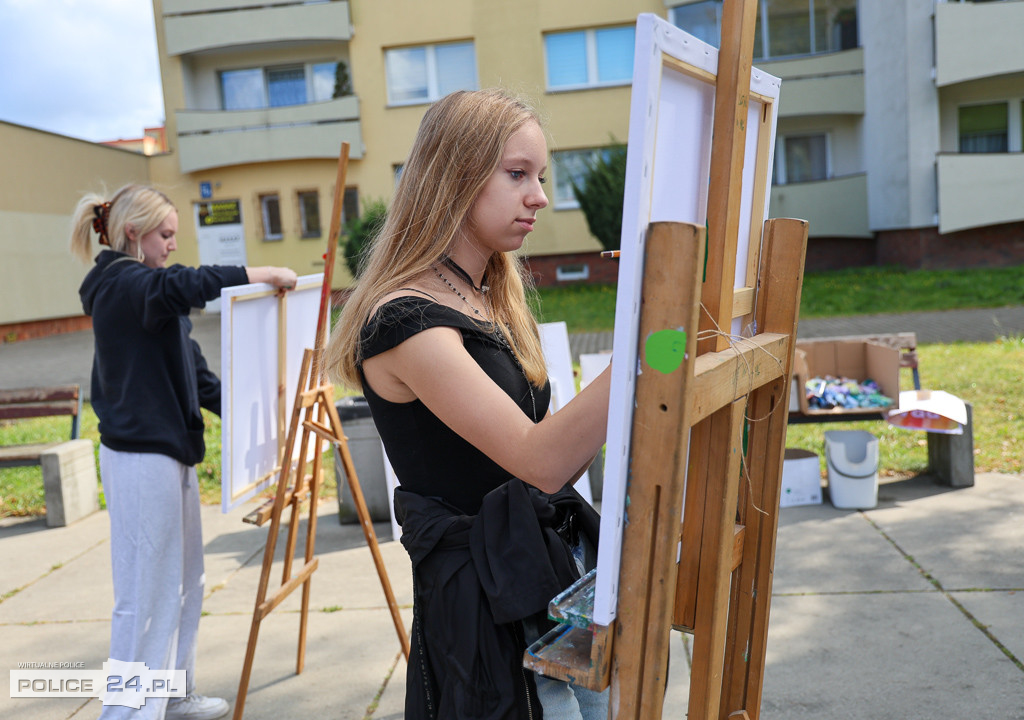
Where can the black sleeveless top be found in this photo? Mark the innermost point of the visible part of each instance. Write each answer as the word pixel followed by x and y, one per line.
pixel 428 457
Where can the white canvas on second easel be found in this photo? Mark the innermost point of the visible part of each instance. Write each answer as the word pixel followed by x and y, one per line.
pixel 251 414
pixel 554 340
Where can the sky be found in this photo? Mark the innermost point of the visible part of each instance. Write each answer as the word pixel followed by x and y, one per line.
pixel 83 68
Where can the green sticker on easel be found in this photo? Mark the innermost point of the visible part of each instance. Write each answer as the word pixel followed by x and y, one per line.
pixel 665 350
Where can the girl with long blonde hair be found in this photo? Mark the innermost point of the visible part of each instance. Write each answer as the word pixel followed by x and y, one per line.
pixel 440 338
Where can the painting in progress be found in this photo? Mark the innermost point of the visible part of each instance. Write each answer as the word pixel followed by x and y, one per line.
pixel 667 178
pixel 263 336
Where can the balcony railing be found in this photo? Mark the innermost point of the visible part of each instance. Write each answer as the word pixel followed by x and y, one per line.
pixel 212 24
pixel 977 40
pixel 980 190
pixel 837 207
pixel 209 139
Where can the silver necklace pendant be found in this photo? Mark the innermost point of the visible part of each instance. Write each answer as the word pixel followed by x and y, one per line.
pixel 498 335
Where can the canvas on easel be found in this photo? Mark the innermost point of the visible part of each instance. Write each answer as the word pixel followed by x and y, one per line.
pixel 313 423
pixel 704 336
pixel 263 335
pixel 668 177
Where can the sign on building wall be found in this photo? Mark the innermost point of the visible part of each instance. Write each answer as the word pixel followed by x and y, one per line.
pixel 220 235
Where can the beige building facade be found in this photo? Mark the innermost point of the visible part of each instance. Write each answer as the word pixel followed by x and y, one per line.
pixel 900 133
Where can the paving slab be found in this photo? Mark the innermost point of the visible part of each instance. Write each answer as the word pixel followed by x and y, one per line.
pixel 823 550
pixel 1000 613
pixel 976 544
pixel 884 655
pixel 31 549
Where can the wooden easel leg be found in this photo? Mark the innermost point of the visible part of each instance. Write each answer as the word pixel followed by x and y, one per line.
pixel 367 525
pixel 314 501
pixel 725 448
pixel 643 623
pixel 261 592
pixel 250 654
pixel 785 243
pixel 271 546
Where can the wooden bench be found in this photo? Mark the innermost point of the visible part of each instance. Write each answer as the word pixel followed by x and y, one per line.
pixel 36 402
pixel 69 467
pixel 950 457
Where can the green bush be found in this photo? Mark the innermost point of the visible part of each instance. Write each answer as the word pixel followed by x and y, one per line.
pixel 359 232
pixel 600 195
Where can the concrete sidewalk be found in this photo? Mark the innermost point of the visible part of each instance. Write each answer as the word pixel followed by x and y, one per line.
pixel 912 610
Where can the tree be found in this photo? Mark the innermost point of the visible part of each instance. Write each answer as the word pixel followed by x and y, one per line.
pixel 342 83
pixel 599 193
pixel 359 232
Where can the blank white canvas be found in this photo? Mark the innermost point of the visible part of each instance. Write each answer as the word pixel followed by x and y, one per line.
pixel 250 350
pixel 554 340
pixel 668 167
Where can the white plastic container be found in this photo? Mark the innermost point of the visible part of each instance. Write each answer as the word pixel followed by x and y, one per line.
pixel 801 478
pixel 852 460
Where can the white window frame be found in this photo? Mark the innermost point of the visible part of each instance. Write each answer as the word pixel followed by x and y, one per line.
pixel 433 79
pixel 781 171
pixel 592 81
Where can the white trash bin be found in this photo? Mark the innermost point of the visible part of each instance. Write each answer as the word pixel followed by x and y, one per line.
pixel 852 460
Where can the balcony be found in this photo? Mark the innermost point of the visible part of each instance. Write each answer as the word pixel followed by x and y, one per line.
pixel 977 40
pixel 979 190
pixel 831 84
pixel 208 139
pixel 211 24
pixel 837 207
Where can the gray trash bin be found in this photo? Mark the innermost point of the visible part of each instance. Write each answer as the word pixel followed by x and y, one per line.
pixel 368 459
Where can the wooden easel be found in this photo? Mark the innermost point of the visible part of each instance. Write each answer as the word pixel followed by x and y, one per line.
pixel 710 575
pixel 313 414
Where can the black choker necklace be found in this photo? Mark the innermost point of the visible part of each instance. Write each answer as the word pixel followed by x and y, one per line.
pixel 451 264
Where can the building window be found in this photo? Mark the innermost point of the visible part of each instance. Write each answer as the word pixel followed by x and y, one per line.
pixel 784 27
pixel 571 166
pixel 280 86
pixel 803 158
pixel 984 128
pixel 286 86
pixel 589 58
pixel 350 204
pixel 576 271
pixel 703 20
pixel 429 72
pixel 309 213
pixel 270 211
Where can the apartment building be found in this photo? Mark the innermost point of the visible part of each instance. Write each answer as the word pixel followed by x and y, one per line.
pixel 260 97
pixel 900 132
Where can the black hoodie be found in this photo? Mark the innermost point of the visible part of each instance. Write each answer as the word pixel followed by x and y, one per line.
pixel 149 378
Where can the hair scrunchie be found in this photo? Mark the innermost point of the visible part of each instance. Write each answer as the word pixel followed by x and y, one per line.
pixel 99 224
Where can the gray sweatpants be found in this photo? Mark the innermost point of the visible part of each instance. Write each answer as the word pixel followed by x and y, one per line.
pixel 156 552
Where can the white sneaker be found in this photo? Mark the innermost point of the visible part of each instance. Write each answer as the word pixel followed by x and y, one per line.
pixel 196 707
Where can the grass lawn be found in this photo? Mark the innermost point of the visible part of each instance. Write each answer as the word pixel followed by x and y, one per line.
pixel 984 374
pixel 859 291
